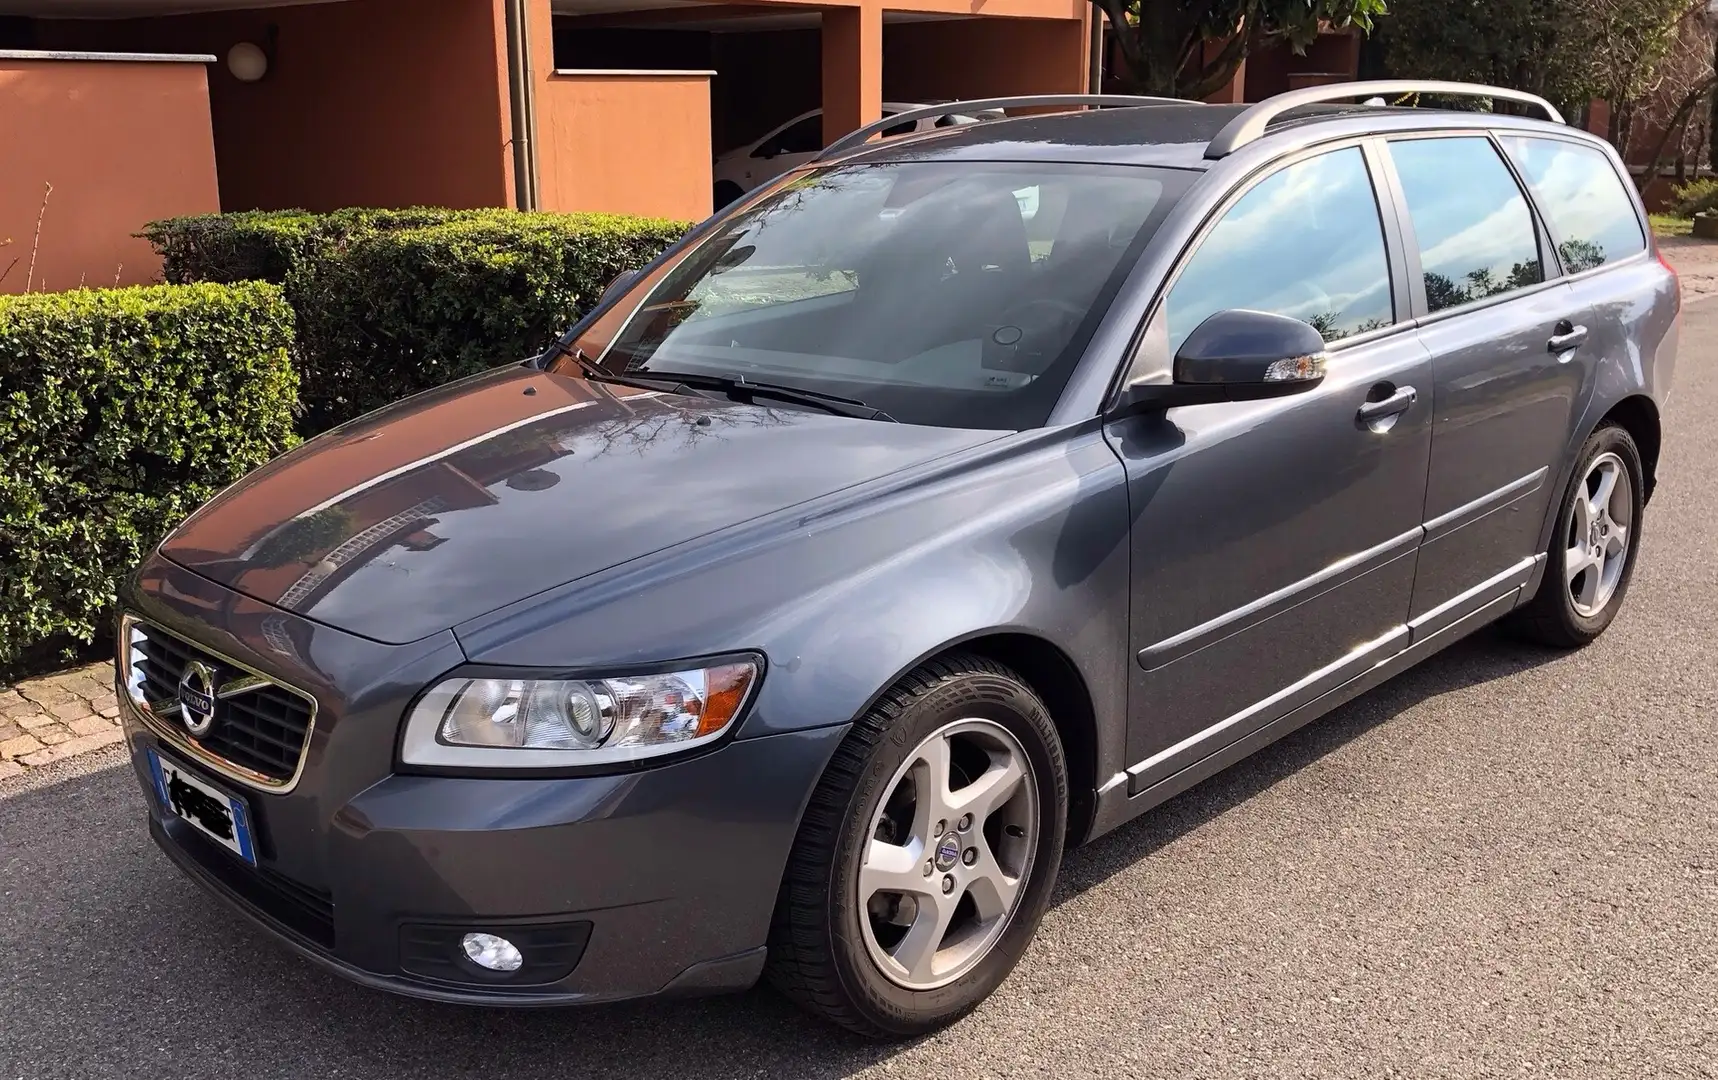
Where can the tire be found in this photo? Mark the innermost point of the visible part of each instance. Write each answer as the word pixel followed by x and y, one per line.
pixel 1557 616
pixel 829 947
pixel 725 192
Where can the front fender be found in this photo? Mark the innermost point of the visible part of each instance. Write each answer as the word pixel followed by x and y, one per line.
pixel 843 595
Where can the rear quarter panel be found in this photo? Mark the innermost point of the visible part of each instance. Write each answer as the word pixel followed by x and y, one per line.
pixel 1634 313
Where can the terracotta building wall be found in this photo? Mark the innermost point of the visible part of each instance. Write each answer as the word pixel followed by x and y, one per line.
pixel 122 143
pixel 630 141
pixel 366 103
pixel 626 143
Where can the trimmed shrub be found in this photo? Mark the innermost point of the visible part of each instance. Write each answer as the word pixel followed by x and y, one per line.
pixel 121 411
pixel 1694 197
pixel 266 245
pixel 396 312
pixel 392 302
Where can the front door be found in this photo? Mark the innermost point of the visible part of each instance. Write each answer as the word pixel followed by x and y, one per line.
pixel 1274 541
pixel 1506 396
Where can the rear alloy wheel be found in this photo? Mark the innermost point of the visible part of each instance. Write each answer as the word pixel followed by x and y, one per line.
pixel 927 854
pixel 1592 551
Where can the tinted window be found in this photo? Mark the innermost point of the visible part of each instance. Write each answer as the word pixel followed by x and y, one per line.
pixel 1305 242
pixel 954 294
pixel 1473 226
pixel 1581 194
pixel 805 137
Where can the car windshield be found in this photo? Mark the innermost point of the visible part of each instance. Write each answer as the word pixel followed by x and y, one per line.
pixel 943 293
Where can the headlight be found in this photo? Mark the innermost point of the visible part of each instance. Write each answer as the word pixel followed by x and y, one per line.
pixel 556 723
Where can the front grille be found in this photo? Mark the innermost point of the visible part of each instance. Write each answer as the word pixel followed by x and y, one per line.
pixel 259 727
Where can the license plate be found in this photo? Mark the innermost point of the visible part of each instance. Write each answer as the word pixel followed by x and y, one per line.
pixel 221 817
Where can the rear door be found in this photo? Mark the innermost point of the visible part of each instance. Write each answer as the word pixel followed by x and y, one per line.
pixel 1510 368
pixel 1273 541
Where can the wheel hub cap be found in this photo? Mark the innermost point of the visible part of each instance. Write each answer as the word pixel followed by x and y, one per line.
pixel 948 852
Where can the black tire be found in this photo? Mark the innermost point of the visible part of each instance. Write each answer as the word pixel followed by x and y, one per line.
pixel 817 952
pixel 1551 618
pixel 725 192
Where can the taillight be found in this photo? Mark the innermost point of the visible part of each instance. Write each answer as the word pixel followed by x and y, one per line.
pixel 1675 278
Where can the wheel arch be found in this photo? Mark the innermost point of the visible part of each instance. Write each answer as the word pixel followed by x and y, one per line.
pixel 1052 674
pixel 1637 415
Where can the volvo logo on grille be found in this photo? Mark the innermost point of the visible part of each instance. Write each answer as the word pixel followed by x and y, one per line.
pixel 197 698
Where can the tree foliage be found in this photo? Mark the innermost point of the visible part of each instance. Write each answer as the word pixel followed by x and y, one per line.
pixel 1569 51
pixel 1532 45
pixel 1162 42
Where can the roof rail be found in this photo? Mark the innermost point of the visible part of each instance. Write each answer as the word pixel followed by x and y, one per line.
pixel 1001 104
pixel 1250 125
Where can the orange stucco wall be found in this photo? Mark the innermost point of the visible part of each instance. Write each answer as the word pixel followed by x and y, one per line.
pixel 122 143
pixel 632 143
pixel 367 102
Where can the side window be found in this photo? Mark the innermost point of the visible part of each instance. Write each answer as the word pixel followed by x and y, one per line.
pixel 805 137
pixel 1578 190
pixel 1305 242
pixel 1470 219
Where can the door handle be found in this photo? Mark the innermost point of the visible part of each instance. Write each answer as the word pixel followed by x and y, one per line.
pixel 1394 405
pixel 1567 337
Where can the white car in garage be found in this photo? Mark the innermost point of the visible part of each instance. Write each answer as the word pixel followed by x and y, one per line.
pixel 794 143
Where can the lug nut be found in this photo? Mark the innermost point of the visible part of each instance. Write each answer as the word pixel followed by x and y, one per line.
pixel 965 822
pixel 948 883
pixel 942 827
pixel 969 856
pixel 930 868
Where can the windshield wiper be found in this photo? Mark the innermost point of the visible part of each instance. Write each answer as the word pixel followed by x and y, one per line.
pixel 597 373
pixel 738 386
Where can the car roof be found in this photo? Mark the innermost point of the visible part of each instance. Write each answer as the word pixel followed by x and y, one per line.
pixel 1170 135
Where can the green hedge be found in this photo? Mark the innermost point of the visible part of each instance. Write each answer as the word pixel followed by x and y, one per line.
pixel 1694 197
pixel 123 410
pixel 392 302
pixel 266 245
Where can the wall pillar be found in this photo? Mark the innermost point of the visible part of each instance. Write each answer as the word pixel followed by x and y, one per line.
pixel 852 69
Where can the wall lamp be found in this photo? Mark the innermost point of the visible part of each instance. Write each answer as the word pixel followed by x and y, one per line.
pixel 248 61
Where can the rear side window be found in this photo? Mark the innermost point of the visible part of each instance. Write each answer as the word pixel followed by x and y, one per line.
pixel 1304 242
pixel 1582 196
pixel 1470 218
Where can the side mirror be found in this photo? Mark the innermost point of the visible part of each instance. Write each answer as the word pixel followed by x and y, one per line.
pixel 617 286
pixel 1235 355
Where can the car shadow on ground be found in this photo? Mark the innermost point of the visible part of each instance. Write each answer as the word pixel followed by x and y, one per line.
pixel 152 976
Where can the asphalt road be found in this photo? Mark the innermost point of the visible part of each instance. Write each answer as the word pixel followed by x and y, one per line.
pixel 1504 863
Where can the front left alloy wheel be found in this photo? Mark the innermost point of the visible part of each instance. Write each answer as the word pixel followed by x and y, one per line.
pixel 927 854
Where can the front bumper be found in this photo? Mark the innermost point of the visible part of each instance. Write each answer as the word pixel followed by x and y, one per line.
pixel 656 882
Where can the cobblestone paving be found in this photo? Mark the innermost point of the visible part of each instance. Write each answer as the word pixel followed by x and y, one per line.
pixel 56 717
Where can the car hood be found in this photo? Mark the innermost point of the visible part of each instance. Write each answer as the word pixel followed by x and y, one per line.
pixel 454 503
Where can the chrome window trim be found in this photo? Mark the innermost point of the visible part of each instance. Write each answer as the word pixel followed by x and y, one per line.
pixel 155 717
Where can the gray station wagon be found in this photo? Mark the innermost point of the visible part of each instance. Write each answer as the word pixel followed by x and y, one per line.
pixel 951 500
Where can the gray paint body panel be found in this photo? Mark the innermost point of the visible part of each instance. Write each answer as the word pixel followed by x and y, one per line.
pixel 1214 577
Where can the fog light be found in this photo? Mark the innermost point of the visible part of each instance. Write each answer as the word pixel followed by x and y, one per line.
pixel 491 952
